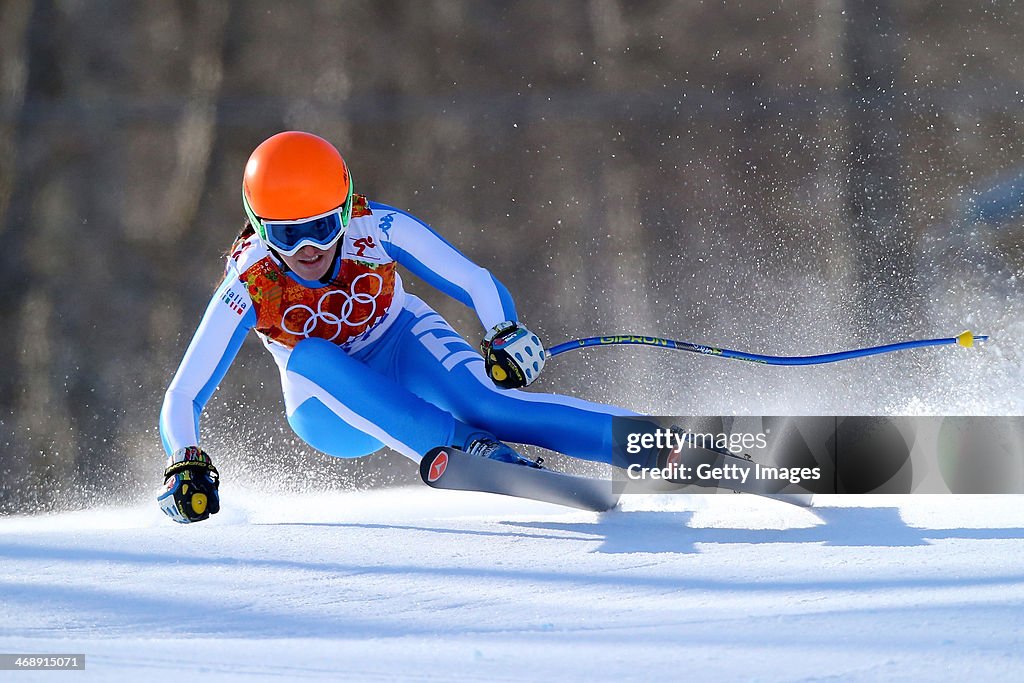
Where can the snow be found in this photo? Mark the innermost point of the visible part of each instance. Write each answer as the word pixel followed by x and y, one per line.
pixel 424 585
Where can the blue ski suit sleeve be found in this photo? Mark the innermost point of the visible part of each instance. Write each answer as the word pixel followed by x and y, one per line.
pixel 228 318
pixel 430 257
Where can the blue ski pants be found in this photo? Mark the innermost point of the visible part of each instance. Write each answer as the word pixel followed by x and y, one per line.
pixel 420 386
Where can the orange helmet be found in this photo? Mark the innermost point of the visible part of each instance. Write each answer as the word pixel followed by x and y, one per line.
pixel 295 175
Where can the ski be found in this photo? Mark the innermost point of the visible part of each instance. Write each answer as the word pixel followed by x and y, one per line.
pixel 450 468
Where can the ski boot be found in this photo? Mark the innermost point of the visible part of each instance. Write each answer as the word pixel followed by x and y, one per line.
pixel 489 447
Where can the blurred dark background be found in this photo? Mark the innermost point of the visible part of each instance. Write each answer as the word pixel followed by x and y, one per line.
pixel 783 177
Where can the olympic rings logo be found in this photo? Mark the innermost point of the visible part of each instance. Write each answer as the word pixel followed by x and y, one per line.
pixel 352 298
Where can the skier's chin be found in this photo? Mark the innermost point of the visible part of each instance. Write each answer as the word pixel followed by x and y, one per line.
pixel 310 264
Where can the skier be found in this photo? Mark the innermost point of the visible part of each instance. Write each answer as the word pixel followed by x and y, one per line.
pixel 363 363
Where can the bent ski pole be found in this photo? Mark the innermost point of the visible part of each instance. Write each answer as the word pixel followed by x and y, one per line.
pixel 965 339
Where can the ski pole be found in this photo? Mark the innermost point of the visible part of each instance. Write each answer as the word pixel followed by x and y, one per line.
pixel 965 339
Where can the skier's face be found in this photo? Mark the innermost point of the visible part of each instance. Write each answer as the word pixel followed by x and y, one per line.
pixel 311 263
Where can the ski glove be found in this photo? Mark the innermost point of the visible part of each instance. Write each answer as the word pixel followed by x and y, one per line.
pixel 192 482
pixel 513 356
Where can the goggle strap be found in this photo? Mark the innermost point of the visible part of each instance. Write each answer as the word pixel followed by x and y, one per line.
pixel 254 220
pixel 346 207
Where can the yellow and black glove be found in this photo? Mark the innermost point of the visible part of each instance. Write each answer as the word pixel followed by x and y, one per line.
pixel 192 484
pixel 513 356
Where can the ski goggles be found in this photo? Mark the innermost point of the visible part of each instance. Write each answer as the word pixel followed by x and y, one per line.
pixel 287 237
pixel 322 232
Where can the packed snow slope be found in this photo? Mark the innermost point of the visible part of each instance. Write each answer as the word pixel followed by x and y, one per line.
pixel 424 585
